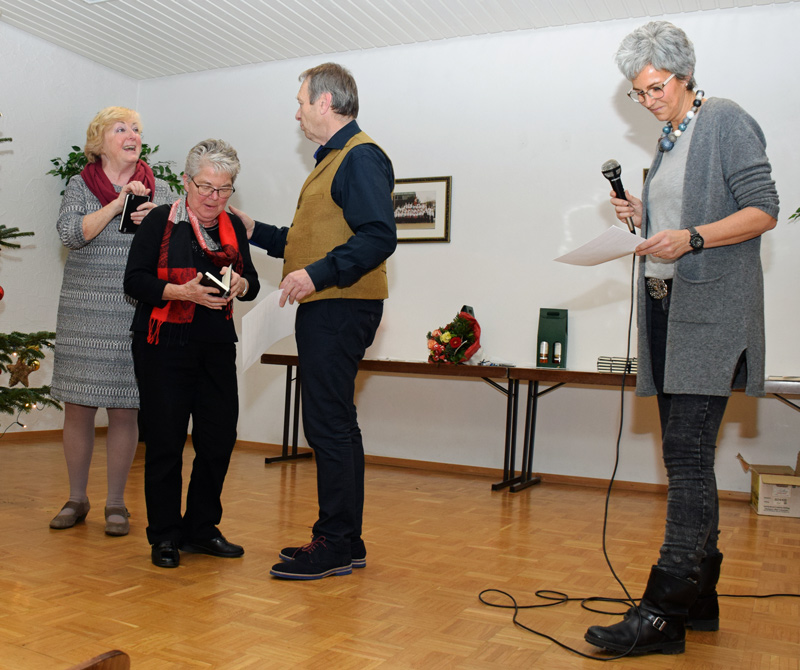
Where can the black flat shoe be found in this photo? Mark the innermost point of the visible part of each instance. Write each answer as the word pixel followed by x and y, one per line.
pixel 165 554
pixel 216 546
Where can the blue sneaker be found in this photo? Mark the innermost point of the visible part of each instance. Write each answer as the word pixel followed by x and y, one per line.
pixel 313 561
pixel 358 553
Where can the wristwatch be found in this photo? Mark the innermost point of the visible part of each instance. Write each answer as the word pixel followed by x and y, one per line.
pixel 696 240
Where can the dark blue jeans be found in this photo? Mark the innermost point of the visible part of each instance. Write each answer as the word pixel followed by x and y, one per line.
pixel 689 428
pixel 332 336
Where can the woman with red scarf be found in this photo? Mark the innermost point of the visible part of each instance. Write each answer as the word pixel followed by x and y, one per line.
pixel 93 365
pixel 184 351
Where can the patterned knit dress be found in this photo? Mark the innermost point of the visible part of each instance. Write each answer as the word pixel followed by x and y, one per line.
pixel 93 364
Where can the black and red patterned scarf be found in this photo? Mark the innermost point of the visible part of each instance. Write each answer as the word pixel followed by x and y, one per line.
pixel 175 263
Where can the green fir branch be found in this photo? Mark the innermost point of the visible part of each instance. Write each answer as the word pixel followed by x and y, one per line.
pixel 25 399
pixel 28 346
pixel 7 234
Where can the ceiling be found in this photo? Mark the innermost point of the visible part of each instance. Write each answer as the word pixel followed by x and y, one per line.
pixel 156 38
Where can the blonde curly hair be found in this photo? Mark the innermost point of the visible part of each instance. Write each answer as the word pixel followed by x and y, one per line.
pixel 104 119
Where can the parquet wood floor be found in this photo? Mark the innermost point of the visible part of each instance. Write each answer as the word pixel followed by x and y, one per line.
pixel 434 542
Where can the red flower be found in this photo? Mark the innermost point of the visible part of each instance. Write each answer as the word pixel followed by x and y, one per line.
pixel 455 342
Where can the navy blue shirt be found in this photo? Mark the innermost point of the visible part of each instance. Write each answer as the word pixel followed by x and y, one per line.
pixel 363 188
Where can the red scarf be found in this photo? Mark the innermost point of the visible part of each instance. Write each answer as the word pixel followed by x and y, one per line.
pixel 174 263
pixel 101 187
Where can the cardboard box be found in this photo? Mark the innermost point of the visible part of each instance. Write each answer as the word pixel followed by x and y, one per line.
pixel 774 489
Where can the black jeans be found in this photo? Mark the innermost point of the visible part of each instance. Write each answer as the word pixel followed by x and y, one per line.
pixel 689 428
pixel 196 380
pixel 332 336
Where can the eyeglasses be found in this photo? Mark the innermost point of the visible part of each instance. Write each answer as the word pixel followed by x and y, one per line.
pixel 206 190
pixel 655 92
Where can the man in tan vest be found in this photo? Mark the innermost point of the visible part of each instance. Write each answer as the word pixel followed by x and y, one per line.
pixel 335 265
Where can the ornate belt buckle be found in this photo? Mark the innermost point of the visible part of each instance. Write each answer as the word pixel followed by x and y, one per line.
pixel 657 288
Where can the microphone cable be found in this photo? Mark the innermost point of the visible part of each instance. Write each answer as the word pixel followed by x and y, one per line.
pixel 557 597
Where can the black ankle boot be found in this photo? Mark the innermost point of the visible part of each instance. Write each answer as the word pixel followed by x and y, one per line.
pixel 659 622
pixel 704 613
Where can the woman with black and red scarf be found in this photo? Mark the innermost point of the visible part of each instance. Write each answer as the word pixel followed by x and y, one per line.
pixel 184 351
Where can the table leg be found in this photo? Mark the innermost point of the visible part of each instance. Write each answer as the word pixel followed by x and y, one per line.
pixel 296 421
pixel 526 477
pixel 510 447
pixel 287 416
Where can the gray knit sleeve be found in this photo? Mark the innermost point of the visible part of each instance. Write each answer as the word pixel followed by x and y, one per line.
pixel 77 202
pixel 163 194
pixel 744 160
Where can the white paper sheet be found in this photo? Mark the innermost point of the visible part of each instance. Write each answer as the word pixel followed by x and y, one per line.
pixel 613 243
pixel 264 325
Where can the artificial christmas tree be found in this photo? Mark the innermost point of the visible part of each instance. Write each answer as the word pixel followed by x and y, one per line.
pixel 20 355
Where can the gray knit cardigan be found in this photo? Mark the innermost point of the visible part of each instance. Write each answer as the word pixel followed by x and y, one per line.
pixel 717 303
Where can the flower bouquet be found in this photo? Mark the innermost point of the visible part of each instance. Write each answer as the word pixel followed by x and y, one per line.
pixel 457 341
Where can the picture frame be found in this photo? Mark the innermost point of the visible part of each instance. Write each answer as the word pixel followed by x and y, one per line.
pixel 422 209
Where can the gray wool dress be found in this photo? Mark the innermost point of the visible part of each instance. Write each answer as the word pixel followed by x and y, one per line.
pixel 93 364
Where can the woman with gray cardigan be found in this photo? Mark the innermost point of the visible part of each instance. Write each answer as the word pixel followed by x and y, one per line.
pixel 707 200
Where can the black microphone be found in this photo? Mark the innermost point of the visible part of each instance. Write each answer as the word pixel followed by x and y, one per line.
pixel 612 171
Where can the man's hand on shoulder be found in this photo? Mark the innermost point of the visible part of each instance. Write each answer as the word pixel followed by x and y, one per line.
pixel 296 286
pixel 247 220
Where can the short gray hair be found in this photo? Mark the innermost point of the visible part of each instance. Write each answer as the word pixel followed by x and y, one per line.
pixel 217 153
pixel 660 44
pixel 338 81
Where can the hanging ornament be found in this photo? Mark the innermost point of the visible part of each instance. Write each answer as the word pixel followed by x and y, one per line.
pixel 19 372
pixel 2 292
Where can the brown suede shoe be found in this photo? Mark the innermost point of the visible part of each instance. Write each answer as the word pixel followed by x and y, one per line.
pixel 78 513
pixel 117 528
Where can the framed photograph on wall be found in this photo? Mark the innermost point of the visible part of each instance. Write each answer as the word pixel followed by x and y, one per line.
pixel 422 209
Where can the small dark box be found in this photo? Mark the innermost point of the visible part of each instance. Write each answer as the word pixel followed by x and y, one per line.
pixel 551 347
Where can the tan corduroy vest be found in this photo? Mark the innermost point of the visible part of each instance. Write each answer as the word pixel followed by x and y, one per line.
pixel 319 226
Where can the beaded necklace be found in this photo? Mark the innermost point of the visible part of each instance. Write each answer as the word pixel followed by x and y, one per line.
pixel 670 136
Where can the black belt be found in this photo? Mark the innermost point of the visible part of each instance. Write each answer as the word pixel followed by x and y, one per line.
pixel 658 288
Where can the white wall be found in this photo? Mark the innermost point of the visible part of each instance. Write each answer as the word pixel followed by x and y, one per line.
pixel 47 97
pixel 522 122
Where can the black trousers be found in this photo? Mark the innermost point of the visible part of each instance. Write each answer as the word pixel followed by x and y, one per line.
pixel 332 336
pixel 196 380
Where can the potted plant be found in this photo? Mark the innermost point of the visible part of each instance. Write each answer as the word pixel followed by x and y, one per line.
pixel 68 167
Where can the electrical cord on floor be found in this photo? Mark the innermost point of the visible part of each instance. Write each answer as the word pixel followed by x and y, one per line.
pixel 557 597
